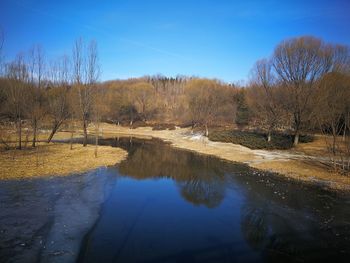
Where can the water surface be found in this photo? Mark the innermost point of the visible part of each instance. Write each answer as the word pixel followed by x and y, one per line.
pixel 168 205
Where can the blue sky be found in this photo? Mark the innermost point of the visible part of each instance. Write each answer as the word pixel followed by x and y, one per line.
pixel 208 38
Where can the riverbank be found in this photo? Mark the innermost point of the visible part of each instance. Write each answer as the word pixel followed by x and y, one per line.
pixel 56 159
pixel 295 163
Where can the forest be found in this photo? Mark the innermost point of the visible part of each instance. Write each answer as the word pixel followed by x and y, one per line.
pixel 303 87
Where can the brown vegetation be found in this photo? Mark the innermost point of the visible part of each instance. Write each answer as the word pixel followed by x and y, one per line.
pixel 56 159
pixel 302 163
pixel 303 87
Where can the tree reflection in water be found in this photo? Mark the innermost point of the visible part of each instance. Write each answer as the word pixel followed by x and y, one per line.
pixel 199 178
pixel 289 220
pixel 235 214
pixel 280 219
pixel 254 227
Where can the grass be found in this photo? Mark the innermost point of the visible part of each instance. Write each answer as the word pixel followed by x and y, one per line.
pixel 255 140
pixel 56 159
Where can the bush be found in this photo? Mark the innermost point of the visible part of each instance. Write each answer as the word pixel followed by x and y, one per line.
pixel 186 124
pixel 255 140
pixel 138 124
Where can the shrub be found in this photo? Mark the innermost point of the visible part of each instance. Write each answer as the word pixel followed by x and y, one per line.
pixel 255 140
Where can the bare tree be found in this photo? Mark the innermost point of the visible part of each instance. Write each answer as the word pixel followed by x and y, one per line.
pixel 263 94
pixel 57 95
pixel 100 108
pixel 346 136
pixel 35 104
pixel 299 63
pixel 331 110
pixel 339 58
pixel 17 77
pixel 332 106
pixel 93 66
pixel 143 96
pixel 341 64
pixel 86 73
pixel 204 101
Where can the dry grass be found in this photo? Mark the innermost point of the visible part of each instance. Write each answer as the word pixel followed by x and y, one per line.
pixel 307 172
pixel 11 137
pixel 294 163
pixel 299 163
pixel 317 147
pixel 56 159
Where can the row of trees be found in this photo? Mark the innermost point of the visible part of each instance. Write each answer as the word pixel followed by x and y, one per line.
pixel 48 93
pixel 304 85
pixel 45 93
pixel 181 100
pixel 289 83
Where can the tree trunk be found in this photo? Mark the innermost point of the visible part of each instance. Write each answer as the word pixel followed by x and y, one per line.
pixel 296 138
pixel 269 136
pixel 96 140
pixel 34 133
pixel 37 157
pixel 19 133
pixel 344 132
pixel 53 131
pixel 297 122
pixel 27 139
pixel 143 112
pixel 334 135
pixel 85 133
pixel 71 140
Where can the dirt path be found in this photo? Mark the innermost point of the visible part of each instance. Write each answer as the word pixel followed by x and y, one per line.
pixel 291 163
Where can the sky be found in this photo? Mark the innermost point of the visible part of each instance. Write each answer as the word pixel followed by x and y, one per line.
pixel 206 38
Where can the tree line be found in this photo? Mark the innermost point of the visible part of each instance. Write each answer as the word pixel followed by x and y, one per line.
pixel 302 86
pixel 305 86
pixel 42 93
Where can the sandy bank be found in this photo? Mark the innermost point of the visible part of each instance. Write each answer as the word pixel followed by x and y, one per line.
pixel 56 159
pixel 291 163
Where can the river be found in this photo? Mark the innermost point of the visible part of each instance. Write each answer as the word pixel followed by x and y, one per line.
pixel 168 205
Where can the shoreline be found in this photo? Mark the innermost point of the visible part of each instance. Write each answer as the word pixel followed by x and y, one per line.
pixel 288 163
pixel 293 164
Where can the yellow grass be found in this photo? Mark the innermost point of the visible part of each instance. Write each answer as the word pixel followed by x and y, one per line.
pixel 307 172
pixel 11 137
pixel 294 163
pixel 282 162
pixel 56 159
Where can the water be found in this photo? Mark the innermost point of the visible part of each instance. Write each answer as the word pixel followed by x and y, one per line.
pixel 168 205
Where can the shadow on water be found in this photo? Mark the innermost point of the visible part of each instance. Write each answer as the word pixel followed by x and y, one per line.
pixel 168 205
pixel 45 220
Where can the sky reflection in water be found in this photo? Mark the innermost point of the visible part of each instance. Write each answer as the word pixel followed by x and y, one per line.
pixel 169 205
